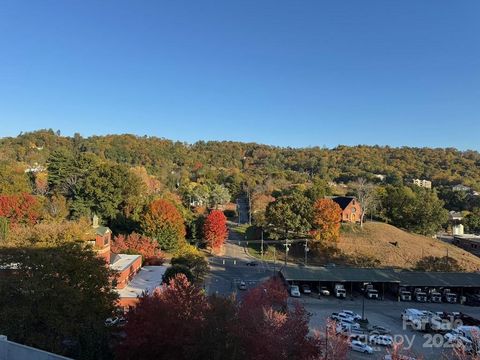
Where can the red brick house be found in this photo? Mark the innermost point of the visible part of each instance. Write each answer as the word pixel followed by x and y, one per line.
pixel 132 279
pixel 125 265
pixel 351 208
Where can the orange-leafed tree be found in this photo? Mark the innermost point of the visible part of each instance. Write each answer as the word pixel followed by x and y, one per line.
pixel 163 222
pixel 20 208
pixel 139 244
pixel 215 229
pixel 326 221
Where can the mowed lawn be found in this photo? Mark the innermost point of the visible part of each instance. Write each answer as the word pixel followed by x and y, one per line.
pixel 375 239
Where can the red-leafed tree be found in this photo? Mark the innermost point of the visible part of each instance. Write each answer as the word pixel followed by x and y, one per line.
pixel 330 344
pixel 163 222
pixel 167 324
pixel 215 229
pixel 139 244
pixel 180 322
pixel 22 208
pixel 271 293
pixel 267 330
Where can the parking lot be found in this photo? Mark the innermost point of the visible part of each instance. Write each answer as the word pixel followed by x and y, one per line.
pixel 386 313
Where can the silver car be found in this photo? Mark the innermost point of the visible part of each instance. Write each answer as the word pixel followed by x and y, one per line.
pixel 359 346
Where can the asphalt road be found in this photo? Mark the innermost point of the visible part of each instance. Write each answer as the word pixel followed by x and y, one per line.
pixel 227 270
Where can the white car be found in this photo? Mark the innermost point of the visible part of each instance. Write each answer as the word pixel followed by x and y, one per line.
pixel 342 317
pixel 294 291
pixel 112 321
pixel 385 340
pixel 324 291
pixel 352 314
pixel 306 289
pixel 359 346
pixel 462 343
pixel 398 357
pixel 349 326
pixel 451 336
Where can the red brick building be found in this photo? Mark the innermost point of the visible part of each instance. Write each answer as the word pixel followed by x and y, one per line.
pixel 125 265
pixel 351 208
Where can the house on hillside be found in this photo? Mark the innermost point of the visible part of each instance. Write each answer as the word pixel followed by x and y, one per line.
pixel 422 183
pixel 455 216
pixel 461 187
pixel 351 208
pixel 128 268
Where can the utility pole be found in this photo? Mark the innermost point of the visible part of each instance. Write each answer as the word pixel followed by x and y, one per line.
pixel 306 251
pixel 286 251
pixel 363 300
pixel 274 258
pixel 262 244
pixel 249 208
pixel 238 210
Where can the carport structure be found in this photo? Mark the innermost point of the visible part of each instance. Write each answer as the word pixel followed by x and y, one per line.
pixel 390 279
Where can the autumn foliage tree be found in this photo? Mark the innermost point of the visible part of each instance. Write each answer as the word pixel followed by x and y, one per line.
pixel 19 208
pixel 215 229
pixel 163 222
pixel 269 330
pixel 326 221
pixel 139 244
pixel 166 324
pixel 181 322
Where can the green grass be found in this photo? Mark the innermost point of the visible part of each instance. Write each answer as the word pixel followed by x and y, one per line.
pixel 241 229
pixel 254 249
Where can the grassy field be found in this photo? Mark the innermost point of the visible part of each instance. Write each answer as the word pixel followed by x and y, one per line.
pixel 374 241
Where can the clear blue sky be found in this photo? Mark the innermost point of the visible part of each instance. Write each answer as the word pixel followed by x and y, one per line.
pixel 293 73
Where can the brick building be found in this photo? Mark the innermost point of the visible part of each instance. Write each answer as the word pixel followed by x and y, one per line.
pixel 127 266
pixel 351 208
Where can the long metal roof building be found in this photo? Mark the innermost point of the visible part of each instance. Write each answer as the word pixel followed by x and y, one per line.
pixel 401 277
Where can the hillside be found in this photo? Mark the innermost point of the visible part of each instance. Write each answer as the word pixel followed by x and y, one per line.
pixel 163 157
pixel 374 241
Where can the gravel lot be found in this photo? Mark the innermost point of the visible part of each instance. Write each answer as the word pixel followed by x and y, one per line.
pixel 386 313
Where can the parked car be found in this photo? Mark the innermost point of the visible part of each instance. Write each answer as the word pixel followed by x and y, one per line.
pixel 385 340
pixel 451 336
pixel 462 343
pixel 342 317
pixel 252 263
pixel 352 314
pixel 323 290
pixel 242 285
pixel 358 337
pixel 398 357
pixel 306 289
pixel 294 291
pixel 359 346
pixel 349 325
pixel 112 321
pixel 379 330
